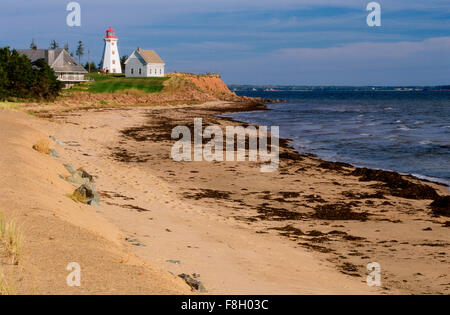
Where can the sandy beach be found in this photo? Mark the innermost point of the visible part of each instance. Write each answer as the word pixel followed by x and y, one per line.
pixel 309 228
pixel 225 155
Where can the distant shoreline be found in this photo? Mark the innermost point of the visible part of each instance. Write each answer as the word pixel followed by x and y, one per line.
pixel 288 88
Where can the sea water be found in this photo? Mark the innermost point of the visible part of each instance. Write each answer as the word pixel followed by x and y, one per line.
pixel 408 132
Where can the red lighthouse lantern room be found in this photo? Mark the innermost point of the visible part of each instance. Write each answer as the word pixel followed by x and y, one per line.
pixel 110 33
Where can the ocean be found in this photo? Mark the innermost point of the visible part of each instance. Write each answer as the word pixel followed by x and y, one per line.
pixel 403 131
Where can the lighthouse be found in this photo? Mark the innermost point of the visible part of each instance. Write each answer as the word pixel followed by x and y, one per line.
pixel 111 58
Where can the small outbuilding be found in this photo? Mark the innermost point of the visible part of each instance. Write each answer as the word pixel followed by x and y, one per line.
pixel 144 63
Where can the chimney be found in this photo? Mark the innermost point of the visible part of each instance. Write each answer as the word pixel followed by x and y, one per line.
pixel 139 49
pixel 51 56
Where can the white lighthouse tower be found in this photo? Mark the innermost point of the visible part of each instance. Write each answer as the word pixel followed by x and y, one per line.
pixel 111 58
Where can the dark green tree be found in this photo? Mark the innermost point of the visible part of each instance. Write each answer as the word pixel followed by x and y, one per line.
pixel 3 83
pixel 45 85
pixel 33 44
pixel 80 51
pixel 92 68
pixel 54 45
pixel 122 62
pixel 22 79
pixel 66 47
pixel 19 73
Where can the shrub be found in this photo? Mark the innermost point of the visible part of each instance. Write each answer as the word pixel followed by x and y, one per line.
pixel 20 78
pixel 11 239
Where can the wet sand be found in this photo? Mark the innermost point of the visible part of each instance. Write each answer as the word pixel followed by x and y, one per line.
pixel 310 227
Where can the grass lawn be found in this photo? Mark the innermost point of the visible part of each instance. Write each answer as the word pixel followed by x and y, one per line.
pixel 113 83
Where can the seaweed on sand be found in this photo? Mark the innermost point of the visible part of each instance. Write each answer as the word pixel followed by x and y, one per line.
pixel 398 185
pixel 338 211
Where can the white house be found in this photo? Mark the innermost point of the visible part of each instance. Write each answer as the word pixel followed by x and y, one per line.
pixel 144 63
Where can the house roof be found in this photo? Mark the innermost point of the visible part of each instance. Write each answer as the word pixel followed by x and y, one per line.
pixel 58 59
pixel 150 56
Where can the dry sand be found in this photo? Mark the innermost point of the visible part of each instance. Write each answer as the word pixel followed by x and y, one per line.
pixel 56 231
pixel 242 231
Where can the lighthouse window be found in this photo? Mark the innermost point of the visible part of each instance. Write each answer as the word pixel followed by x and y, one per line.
pixel 114 62
pixel 113 52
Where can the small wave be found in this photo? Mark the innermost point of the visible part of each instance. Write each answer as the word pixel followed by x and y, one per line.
pixel 366 131
pixel 433 179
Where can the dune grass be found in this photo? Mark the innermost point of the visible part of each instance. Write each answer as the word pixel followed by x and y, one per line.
pixel 9 105
pixel 5 287
pixel 11 239
pixel 114 83
pixel 42 146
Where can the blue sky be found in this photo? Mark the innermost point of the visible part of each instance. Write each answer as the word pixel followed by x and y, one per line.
pixel 304 42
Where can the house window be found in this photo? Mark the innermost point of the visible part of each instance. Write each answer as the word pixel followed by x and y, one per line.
pixel 140 71
pixel 132 71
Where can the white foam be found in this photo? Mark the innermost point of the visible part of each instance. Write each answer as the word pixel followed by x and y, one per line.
pixel 434 179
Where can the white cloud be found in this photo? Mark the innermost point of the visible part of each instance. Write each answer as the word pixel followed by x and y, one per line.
pixel 365 52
